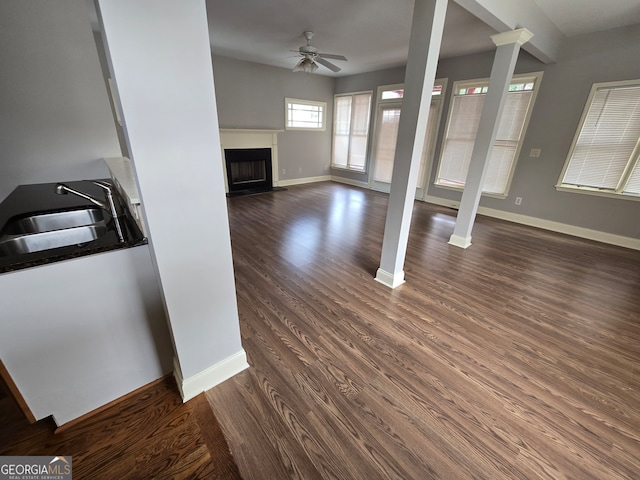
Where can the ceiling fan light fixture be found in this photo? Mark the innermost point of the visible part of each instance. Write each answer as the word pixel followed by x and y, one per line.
pixel 306 65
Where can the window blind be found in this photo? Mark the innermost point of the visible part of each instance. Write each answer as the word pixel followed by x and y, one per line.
pixel 607 140
pixel 460 138
pixel 386 144
pixel 387 135
pixel 359 130
pixel 461 135
pixel 351 130
pixel 342 125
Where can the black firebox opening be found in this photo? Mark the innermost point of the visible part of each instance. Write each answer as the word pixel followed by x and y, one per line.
pixel 249 169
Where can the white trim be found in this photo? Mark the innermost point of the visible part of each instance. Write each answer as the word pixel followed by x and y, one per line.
pixel 250 138
pixel 389 279
pixel 619 192
pixel 346 167
pixel 349 181
pixel 312 103
pixel 519 36
pixel 573 230
pixel 458 241
pixel 209 378
pixel 300 181
pixel 597 192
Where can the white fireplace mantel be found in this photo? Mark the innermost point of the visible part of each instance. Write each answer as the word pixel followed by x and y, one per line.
pixel 250 138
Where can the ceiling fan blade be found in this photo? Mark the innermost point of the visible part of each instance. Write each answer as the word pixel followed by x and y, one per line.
pixel 333 56
pixel 327 64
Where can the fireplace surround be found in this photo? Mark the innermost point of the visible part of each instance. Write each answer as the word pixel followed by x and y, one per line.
pixel 250 144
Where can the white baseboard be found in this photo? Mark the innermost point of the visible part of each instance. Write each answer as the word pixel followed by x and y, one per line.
pixel 558 227
pixel 348 181
pixel 389 279
pixel 301 181
pixel 209 378
pixel 321 178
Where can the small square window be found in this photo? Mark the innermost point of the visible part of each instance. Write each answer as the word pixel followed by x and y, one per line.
pixel 305 114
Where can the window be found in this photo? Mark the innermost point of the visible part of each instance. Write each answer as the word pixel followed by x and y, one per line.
pixel 604 154
pixel 305 114
pixel 351 130
pixel 387 122
pixel 464 117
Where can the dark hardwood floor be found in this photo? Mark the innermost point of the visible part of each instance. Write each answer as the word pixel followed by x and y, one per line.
pixel 517 358
pixel 150 434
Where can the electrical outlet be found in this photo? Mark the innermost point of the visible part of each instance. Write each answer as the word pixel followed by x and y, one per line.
pixel 300 170
pixel 535 152
pixel 284 171
pixel 518 200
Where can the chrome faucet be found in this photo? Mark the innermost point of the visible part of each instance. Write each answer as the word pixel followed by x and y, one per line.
pixel 110 204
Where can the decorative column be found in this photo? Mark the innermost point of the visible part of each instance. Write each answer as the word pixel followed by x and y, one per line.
pixel 504 63
pixel 171 128
pixel 424 50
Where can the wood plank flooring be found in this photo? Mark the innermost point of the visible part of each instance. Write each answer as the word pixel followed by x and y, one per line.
pixel 518 358
pixel 148 435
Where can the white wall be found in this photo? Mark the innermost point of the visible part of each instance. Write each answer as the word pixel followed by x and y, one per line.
pixel 160 60
pixel 55 120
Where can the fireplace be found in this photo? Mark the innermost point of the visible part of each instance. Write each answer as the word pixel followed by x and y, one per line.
pixel 248 169
pixel 252 174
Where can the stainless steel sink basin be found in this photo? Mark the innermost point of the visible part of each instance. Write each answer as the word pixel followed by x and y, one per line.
pixel 46 222
pixel 36 242
pixel 43 231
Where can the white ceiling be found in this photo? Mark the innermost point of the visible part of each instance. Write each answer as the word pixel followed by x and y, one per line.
pixel 374 34
pixel 575 17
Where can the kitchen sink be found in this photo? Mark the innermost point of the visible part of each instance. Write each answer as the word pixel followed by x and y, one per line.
pixel 46 222
pixel 36 242
pixel 43 231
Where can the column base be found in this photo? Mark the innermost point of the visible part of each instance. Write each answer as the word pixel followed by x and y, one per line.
pixel 458 241
pixel 389 279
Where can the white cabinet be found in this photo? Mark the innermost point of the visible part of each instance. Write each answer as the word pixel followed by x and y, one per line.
pixel 77 334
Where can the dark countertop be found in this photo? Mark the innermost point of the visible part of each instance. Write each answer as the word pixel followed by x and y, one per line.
pixel 42 197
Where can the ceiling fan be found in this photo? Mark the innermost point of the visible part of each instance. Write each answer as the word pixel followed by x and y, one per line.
pixel 311 57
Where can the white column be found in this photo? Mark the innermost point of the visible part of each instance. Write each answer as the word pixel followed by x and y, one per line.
pixel 504 63
pixel 159 57
pixel 424 49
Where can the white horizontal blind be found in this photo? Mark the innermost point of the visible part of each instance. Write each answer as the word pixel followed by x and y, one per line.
pixel 387 132
pixel 359 130
pixel 429 138
pixel 386 143
pixel 342 125
pixel 506 144
pixel 460 138
pixel 607 140
pixel 351 130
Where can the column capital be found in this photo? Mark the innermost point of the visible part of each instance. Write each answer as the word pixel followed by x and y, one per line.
pixel 519 36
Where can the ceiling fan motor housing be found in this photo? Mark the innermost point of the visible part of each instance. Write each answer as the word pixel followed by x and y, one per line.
pixel 311 56
pixel 309 50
